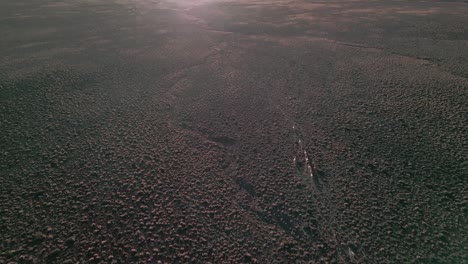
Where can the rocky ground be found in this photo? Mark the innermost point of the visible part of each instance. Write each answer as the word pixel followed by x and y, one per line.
pixel 222 131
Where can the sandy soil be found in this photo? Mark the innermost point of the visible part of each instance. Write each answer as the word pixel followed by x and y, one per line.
pixel 222 131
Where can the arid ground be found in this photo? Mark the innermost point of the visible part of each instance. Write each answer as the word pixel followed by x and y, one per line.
pixel 223 131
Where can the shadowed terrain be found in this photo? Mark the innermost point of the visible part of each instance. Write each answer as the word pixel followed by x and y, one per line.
pixel 222 131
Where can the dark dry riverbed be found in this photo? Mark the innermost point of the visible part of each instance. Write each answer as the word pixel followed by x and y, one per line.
pixel 233 131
